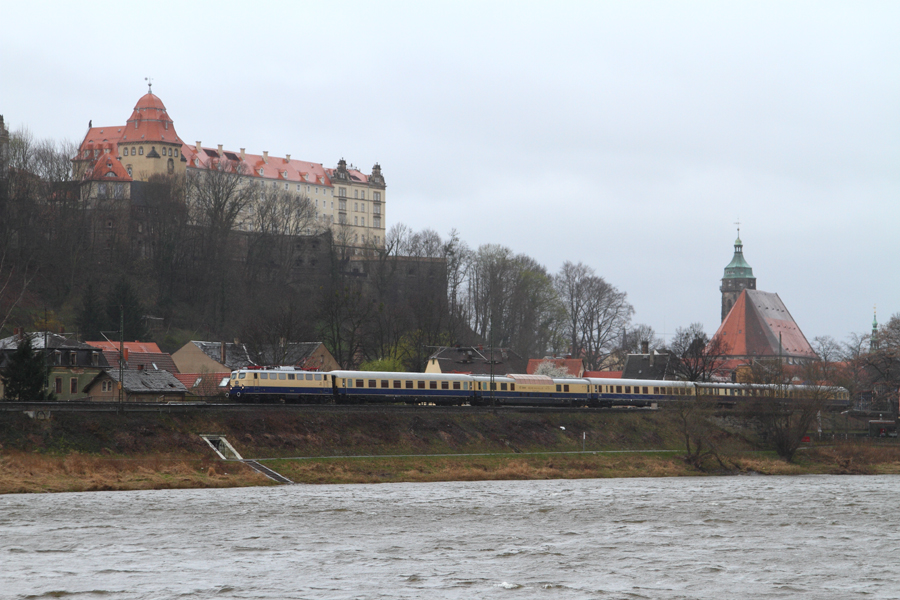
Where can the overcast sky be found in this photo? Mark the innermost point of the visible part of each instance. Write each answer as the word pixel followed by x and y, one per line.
pixel 630 136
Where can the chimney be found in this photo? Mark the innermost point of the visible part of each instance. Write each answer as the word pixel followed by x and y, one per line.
pixel 220 149
pixel 197 146
pixel 287 158
pixel 140 367
pixel 645 347
pixel 266 156
pixel 242 154
pixel 223 353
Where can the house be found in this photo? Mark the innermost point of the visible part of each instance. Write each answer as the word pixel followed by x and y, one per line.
pixel 475 360
pixel 140 385
pixel 204 385
pixel 653 364
pixel 222 357
pixel 72 363
pixel 573 366
pixel 137 355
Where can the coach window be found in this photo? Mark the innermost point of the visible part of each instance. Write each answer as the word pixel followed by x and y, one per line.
pixel 432 385
pixel 385 383
pixel 372 383
pixel 445 385
pixel 359 383
pixel 503 387
pixel 396 383
pixel 421 385
pixel 408 384
pixel 627 389
pixel 566 388
pixel 645 389
pixel 618 389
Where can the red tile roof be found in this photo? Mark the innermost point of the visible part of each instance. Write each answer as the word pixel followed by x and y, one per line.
pixel 603 374
pixel 257 165
pixel 131 346
pixel 760 325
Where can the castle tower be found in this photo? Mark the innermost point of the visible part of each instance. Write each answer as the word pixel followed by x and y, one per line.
pixel 149 144
pixel 738 277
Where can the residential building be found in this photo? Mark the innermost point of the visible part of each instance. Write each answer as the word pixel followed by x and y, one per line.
pixel 475 360
pixel 574 366
pixel 138 355
pixel 72 364
pixel 139 385
pixel 224 357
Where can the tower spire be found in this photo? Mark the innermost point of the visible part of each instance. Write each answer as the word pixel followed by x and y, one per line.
pixel 149 81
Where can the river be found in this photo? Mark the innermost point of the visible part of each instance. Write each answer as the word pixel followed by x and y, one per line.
pixel 710 537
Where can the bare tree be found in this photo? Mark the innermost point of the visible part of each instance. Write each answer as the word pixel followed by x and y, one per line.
pixel 697 357
pixel 784 411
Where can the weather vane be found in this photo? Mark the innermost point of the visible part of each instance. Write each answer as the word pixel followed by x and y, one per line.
pixel 149 81
pixel 738 223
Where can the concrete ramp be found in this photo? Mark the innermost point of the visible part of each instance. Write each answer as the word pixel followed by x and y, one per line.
pixel 267 472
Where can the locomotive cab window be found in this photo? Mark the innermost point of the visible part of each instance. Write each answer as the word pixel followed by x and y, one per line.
pixel 242 375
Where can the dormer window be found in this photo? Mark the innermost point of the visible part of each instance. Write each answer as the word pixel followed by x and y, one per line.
pixel 260 171
pixel 73 358
pixel 284 174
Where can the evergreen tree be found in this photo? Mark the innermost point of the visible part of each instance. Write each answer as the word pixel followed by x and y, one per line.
pixel 25 376
pixel 123 298
pixel 91 318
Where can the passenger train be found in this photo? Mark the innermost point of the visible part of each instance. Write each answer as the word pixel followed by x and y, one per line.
pixel 292 385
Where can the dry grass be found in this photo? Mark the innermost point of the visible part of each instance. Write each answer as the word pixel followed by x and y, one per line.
pixel 479 468
pixel 22 472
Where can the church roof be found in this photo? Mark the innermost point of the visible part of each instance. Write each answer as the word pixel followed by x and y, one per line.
pixel 759 325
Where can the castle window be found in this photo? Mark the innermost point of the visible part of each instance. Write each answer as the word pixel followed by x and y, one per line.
pixel 356 220
pixel 285 186
pixel 377 197
pixel 362 221
pixel 129 171
pixel 176 152
pixel 141 150
pixel 356 207
pixel 356 193
pixel 342 192
pixel 133 150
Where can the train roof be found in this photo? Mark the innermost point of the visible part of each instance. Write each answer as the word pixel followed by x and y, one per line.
pixel 396 375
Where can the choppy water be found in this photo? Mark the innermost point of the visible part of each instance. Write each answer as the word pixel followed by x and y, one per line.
pixel 727 537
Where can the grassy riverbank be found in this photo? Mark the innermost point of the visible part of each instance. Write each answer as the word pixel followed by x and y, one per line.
pixel 106 451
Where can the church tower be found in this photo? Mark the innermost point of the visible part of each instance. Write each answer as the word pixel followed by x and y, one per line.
pixel 738 277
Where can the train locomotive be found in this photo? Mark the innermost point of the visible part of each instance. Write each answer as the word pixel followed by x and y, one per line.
pixel 292 385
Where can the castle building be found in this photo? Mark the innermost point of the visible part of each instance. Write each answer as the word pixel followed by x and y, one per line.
pixel 345 200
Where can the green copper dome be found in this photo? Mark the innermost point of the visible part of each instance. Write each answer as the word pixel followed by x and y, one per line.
pixel 738 267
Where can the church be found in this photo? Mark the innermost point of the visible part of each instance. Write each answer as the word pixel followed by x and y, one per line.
pixel 756 324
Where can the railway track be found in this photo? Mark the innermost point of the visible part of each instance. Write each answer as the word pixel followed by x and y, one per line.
pixel 181 407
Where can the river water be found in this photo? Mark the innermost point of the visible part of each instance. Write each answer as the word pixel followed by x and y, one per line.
pixel 716 537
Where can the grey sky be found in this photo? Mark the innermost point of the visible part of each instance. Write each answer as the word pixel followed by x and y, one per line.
pixel 626 135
